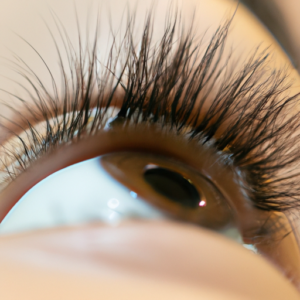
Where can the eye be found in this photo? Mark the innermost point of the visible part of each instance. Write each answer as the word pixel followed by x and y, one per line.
pixel 178 190
pixel 119 186
pixel 218 137
pixel 134 170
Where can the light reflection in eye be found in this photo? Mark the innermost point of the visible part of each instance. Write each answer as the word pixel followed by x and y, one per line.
pixel 113 203
pixel 202 203
pixel 133 194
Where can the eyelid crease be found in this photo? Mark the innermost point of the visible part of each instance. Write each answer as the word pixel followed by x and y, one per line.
pixel 14 147
pixel 172 83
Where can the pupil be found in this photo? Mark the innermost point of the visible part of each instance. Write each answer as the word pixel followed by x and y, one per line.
pixel 173 186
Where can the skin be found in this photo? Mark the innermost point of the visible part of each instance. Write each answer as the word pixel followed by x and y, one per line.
pixel 282 19
pixel 94 261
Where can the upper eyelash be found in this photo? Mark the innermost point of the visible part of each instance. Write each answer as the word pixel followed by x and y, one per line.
pixel 157 88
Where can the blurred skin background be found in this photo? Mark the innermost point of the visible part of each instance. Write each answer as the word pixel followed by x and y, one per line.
pixel 144 259
pixel 282 20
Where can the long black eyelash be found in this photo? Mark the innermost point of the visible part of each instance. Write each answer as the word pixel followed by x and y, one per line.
pixel 164 84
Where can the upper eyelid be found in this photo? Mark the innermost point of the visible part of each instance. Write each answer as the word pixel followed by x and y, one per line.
pixel 204 126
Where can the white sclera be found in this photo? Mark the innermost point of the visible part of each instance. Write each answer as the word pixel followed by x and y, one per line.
pixel 78 194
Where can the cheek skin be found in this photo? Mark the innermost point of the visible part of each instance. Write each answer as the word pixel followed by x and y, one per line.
pixel 173 261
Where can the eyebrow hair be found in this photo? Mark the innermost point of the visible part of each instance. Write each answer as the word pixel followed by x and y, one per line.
pixel 244 113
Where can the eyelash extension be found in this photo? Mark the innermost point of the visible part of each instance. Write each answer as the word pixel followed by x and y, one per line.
pixel 163 84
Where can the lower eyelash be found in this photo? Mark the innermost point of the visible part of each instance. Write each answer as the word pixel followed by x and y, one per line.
pixel 163 85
